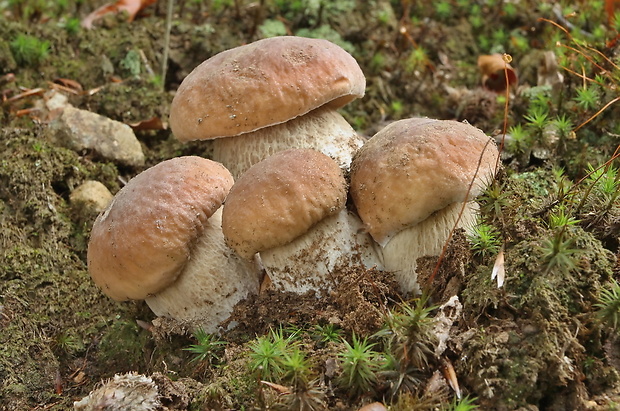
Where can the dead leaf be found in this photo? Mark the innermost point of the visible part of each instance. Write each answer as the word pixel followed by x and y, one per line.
pixel 153 123
pixel 68 85
pixel 26 93
pixel 132 7
pixel 450 376
pixel 499 270
pixel 279 388
pixel 493 75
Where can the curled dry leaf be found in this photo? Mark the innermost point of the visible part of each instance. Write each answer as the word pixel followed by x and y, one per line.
pixel 499 269
pixel 279 388
pixel 493 76
pixel 68 85
pixel 26 93
pixel 132 7
pixel 450 376
pixel 153 123
pixel 375 406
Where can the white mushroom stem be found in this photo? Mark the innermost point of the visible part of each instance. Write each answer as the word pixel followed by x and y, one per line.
pixel 323 129
pixel 400 253
pixel 310 261
pixel 211 283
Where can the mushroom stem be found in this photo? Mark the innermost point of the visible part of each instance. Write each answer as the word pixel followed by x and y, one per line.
pixel 211 283
pixel 323 129
pixel 425 238
pixel 311 261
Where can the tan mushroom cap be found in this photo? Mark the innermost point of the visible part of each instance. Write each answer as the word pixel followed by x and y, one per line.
pixel 281 198
pixel 261 84
pixel 414 167
pixel 142 241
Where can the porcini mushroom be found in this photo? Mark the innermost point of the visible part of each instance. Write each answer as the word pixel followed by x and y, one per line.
pixel 409 183
pixel 497 74
pixel 290 208
pixel 160 240
pixel 267 96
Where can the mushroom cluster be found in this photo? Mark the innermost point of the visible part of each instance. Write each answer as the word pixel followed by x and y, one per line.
pixel 290 208
pixel 192 236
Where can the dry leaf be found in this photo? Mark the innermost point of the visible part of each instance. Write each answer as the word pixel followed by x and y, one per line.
pixel 72 86
pixel 279 388
pixel 153 123
pixel 493 75
pixel 498 269
pixel 450 376
pixel 132 7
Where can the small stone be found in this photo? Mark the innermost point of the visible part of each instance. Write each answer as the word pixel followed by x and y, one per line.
pixel 84 130
pixel 92 195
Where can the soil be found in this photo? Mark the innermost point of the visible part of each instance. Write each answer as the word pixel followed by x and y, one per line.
pixel 537 343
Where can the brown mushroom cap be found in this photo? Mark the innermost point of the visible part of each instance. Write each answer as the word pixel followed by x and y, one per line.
pixel 415 167
pixel 262 84
pixel 142 241
pixel 280 199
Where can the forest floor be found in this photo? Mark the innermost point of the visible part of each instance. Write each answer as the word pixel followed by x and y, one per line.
pixel 547 340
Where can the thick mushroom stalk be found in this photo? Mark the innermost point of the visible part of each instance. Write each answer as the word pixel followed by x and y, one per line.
pixel 290 208
pixel 161 240
pixel 252 91
pixel 312 261
pixel 322 129
pixel 409 183
pixel 212 269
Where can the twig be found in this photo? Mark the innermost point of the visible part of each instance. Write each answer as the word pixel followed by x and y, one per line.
pixel 164 63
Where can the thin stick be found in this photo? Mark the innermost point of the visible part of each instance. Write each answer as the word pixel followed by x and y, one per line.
pixel 164 63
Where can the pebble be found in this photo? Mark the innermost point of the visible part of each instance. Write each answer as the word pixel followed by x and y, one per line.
pixel 81 130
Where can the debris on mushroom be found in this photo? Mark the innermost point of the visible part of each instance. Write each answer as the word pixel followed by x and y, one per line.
pixel 290 208
pixel 267 96
pixel 411 181
pixel 160 240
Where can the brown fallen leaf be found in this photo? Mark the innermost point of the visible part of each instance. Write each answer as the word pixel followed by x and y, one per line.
pixel 279 388
pixel 132 7
pixel 153 123
pixel 26 93
pixel 68 85
pixel 450 376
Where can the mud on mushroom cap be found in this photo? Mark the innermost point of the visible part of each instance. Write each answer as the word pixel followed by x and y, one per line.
pixel 261 84
pixel 141 242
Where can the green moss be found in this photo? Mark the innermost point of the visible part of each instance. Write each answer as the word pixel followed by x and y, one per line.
pixel 122 346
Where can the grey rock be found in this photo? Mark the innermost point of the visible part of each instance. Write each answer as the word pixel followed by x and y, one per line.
pixel 84 130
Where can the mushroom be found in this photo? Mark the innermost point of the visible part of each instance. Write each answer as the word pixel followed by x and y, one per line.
pixel 409 183
pixel 290 208
pixel 497 74
pixel 267 96
pixel 160 240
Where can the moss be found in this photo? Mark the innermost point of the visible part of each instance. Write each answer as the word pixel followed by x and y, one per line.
pixel 539 350
pixel 45 289
pixel 123 346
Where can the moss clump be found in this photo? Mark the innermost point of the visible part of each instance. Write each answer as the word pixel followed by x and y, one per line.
pixel 45 290
pixel 532 336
